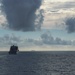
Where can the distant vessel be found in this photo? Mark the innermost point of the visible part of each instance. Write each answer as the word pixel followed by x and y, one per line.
pixel 33 50
pixel 13 50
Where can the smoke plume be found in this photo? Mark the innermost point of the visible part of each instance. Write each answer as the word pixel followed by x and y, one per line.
pixel 20 14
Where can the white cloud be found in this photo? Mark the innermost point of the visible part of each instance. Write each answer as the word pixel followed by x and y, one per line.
pixel 57 0
pixel 2 20
pixel 56 11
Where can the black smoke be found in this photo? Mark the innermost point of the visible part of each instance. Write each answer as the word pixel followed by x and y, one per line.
pixel 70 24
pixel 20 14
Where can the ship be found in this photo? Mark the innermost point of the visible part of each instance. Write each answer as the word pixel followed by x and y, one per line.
pixel 13 50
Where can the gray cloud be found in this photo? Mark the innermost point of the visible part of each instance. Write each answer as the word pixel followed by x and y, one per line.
pixel 59 41
pixel 70 24
pixel 46 39
pixel 34 42
pixel 50 40
pixel 10 40
pixel 74 42
pixel 40 19
pixel 20 14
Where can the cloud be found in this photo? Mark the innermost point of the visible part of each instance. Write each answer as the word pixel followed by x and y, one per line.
pixel 50 14
pixel 46 41
pixel 55 7
pixel 7 40
pixel 70 24
pixel 21 14
pixel 74 42
pixel 65 5
pixel 35 42
pixel 50 40
pixel 55 12
pixel 40 18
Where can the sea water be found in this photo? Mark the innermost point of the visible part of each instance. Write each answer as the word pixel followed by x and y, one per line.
pixel 38 63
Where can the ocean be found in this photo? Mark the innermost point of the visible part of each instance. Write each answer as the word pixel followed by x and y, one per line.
pixel 38 63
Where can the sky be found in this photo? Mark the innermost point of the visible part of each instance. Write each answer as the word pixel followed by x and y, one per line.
pixel 41 25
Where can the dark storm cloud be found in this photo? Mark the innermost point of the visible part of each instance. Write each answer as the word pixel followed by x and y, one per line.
pixel 21 15
pixel 70 24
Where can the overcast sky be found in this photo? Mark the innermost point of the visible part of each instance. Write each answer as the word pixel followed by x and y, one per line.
pixel 37 25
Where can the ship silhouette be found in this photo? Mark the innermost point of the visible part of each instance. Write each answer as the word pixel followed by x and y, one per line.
pixel 13 50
